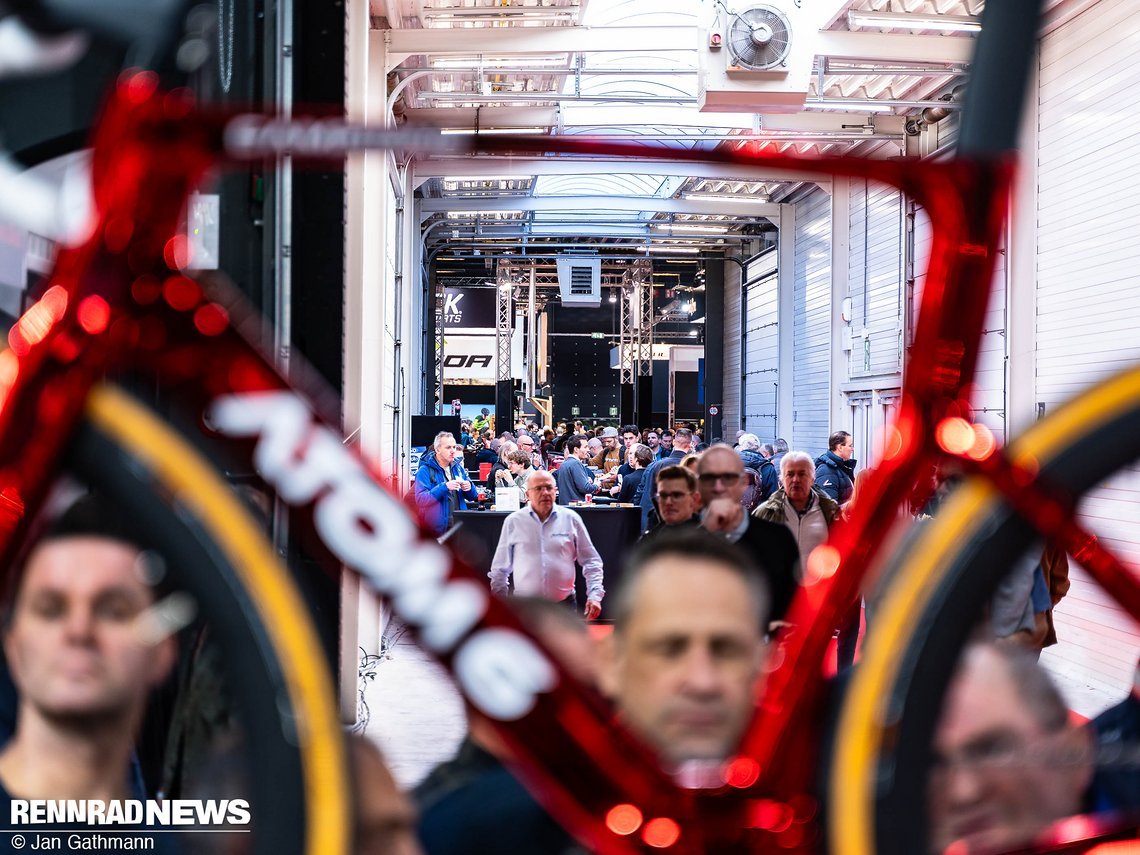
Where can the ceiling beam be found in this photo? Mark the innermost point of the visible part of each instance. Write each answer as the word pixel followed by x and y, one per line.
pixel 570 115
pixel 532 166
pixel 401 44
pixel 894 47
pixel 497 41
pixel 591 204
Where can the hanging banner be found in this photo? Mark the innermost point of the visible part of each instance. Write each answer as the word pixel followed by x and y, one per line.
pixel 470 309
pixel 473 358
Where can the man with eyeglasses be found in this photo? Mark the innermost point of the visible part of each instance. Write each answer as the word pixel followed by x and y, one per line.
pixel 526 446
pixel 720 478
pixel 1008 761
pixel 682 442
pixel 539 545
pixel 677 500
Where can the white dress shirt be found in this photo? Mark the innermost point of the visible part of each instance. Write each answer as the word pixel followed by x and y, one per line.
pixel 541 555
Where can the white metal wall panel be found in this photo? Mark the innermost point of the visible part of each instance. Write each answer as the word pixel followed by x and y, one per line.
pixel 874 282
pixel 733 371
pixel 811 337
pixel 761 346
pixel 1088 293
pixel 989 395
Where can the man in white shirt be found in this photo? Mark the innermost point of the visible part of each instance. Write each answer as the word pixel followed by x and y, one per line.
pixel 539 545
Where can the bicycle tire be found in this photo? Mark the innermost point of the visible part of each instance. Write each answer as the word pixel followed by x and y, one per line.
pixel 282 689
pixel 941 577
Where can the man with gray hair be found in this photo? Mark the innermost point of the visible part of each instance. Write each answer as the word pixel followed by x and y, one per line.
pixel 442 483
pixel 781 446
pixel 807 512
pixel 751 453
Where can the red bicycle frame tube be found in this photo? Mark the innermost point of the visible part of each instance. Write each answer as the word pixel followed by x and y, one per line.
pixel 119 302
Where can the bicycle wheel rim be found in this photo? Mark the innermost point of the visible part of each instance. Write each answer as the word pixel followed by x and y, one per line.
pixel 281 686
pixel 941 576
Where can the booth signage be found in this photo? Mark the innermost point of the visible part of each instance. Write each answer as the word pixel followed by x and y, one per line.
pixel 469 309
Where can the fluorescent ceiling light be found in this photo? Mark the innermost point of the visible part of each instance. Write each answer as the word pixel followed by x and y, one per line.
pixel 758 199
pixel 691 227
pixel 547 13
pixel 682 250
pixel 483 213
pixel 542 130
pixel 460 179
pixel 863 105
pixel 473 63
pixel 907 21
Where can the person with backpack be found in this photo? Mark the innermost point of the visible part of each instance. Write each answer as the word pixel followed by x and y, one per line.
pixel 751 453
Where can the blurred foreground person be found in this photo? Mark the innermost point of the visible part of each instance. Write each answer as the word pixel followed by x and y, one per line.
pixel 473 804
pixel 687 646
pixel 384 819
pixel 84 648
pixel 1007 759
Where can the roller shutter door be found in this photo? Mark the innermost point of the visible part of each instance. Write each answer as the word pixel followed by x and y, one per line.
pixel 1088 298
pixel 811 336
pixel 874 282
pixel 730 395
pixel 761 346
pixel 989 396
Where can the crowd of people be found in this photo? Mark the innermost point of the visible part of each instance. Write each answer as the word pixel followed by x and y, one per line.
pixel 692 619
pixel 771 505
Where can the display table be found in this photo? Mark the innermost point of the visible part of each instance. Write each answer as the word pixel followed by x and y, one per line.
pixel 613 531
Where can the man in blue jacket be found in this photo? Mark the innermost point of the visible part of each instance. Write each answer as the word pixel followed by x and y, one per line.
pixel 681 442
pixel 834 469
pixel 442 482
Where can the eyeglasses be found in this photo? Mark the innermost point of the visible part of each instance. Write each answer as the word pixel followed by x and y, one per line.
pixel 671 497
pixel 729 478
pixel 541 488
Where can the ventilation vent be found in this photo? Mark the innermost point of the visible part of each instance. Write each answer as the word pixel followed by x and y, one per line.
pixel 580 281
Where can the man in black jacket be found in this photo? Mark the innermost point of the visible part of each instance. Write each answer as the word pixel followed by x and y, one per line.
pixel 835 469
pixel 771 545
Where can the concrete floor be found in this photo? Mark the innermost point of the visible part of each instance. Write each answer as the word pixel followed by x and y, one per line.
pixel 417 716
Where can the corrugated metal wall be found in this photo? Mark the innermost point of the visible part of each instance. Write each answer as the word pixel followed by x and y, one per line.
pixel 733 370
pixel 811 337
pixel 874 282
pixel 990 394
pixel 1088 291
pixel 761 346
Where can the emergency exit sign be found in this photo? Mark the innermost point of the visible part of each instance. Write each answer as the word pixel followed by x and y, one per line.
pixel 597 335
